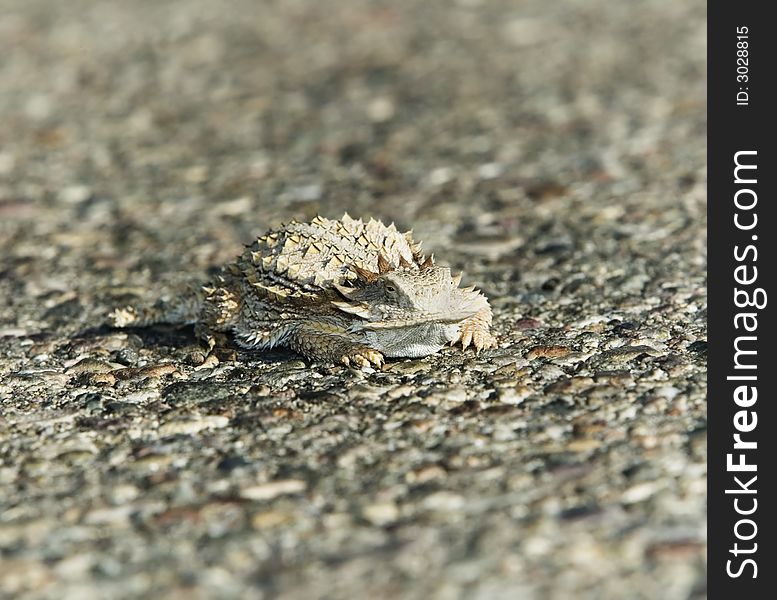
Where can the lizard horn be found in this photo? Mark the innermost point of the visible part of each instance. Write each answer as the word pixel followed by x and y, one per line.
pixel 384 266
pixel 363 274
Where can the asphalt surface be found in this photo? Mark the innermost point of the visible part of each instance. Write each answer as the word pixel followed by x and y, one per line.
pixel 555 151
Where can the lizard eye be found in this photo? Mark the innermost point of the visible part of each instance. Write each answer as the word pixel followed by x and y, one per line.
pixel 390 288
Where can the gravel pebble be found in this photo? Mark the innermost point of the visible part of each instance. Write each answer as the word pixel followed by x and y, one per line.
pixel 268 491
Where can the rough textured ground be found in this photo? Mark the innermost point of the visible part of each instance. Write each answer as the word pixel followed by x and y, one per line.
pixel 554 150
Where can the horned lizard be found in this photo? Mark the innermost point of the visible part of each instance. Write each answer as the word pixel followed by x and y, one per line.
pixel 335 291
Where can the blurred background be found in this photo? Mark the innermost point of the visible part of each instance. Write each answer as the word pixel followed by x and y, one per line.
pixel 555 151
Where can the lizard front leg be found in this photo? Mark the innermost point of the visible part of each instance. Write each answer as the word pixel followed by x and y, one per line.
pixel 475 331
pixel 327 342
pixel 210 338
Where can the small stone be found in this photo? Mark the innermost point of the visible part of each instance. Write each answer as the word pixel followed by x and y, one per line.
pixel 369 392
pixel 583 445
pixel 512 369
pixel 527 324
pixel 196 174
pixel 270 519
pixel 106 379
pixel 401 391
pixel 381 513
pixel 526 31
pixel 624 354
pixel 490 171
pixel 152 462
pixel 75 194
pixel 456 394
pixel 90 365
pixel 639 492
pixel 614 377
pixel 210 361
pixel 7 163
pixel 514 395
pixel 114 516
pixel 452 395
pixel 76 566
pixel 444 502
pixel 547 351
pixel 699 346
pixel 123 493
pixel 192 426
pixel 380 110
pixel 273 489
pixel 408 367
pixel 8 475
pixel 159 370
pixel 440 176
pixel 667 391
pixel 425 474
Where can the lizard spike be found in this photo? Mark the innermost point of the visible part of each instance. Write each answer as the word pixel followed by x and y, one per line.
pixel 344 290
pixel 364 275
pixel 456 279
pixel 428 262
pixel 384 266
pixel 404 263
pixel 360 310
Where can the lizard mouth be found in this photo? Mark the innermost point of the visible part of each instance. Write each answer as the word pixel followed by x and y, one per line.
pixel 460 305
pixel 450 318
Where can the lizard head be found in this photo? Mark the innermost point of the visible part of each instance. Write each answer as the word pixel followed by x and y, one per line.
pixel 405 298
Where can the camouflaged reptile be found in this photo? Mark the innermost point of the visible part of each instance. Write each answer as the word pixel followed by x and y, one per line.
pixel 335 291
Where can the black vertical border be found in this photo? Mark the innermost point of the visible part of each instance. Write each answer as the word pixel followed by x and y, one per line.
pixel 732 128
